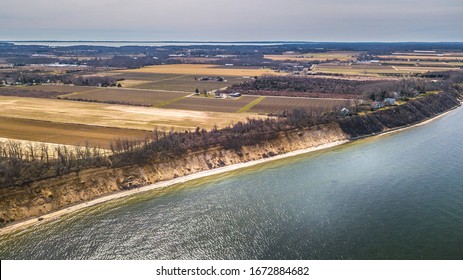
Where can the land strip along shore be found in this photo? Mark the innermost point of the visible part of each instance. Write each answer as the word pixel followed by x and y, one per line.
pixel 113 184
pixel 327 137
pixel 163 184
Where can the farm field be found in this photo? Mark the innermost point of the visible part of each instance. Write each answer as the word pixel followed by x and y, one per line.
pixel 126 96
pixel 421 57
pixel 229 105
pixel 107 115
pixel 279 104
pixel 189 84
pixel 175 82
pixel 202 70
pixel 64 133
pixel 323 56
pixel 422 63
pixel 42 91
pixel 361 69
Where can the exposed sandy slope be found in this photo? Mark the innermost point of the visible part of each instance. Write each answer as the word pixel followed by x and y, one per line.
pixel 51 198
pixel 42 198
pixel 163 184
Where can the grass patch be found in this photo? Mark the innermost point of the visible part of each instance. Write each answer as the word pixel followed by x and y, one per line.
pixel 165 103
pixel 250 105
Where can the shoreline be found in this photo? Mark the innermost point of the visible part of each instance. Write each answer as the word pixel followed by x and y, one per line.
pixel 163 184
pixel 202 174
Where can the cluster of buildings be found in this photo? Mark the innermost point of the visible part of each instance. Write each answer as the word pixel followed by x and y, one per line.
pixel 381 104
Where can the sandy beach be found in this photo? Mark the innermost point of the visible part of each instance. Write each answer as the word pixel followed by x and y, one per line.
pixel 158 185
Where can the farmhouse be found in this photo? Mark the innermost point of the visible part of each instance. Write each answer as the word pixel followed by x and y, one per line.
pixel 389 101
pixel 376 105
pixel 345 112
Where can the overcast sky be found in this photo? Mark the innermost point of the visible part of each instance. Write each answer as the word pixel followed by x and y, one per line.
pixel 233 20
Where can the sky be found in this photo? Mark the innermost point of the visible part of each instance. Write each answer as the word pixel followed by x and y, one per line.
pixel 233 20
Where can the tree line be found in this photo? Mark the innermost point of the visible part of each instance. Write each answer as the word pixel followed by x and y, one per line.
pixel 23 163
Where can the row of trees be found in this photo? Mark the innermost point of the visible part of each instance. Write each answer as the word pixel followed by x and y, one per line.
pixel 21 163
pixel 68 78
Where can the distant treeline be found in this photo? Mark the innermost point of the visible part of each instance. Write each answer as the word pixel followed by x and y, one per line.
pixel 68 78
pixel 122 61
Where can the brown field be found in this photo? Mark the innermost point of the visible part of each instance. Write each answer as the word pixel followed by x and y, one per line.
pixel 126 96
pixel 106 115
pixel 142 76
pixel 421 57
pixel 174 82
pixel 64 133
pixel 323 56
pixel 42 91
pixel 195 59
pixel 202 69
pixel 422 63
pixel 189 84
pixel 419 69
pixel 369 69
pixel 131 83
pixel 228 105
pixel 279 104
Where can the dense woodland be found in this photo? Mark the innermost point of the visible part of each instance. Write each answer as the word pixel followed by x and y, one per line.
pixel 299 86
pixel 369 90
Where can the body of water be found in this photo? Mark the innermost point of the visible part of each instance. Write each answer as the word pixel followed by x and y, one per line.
pixel 399 196
pixel 145 43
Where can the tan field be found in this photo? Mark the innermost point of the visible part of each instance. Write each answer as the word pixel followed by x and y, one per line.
pixel 132 83
pixel 420 69
pixel 323 56
pixel 374 70
pixel 422 57
pixel 202 69
pixel 118 116
pixel 422 63
pixel 63 133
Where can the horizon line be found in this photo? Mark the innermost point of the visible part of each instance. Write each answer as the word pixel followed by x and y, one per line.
pixel 218 41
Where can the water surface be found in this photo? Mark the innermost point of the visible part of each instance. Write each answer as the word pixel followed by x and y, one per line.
pixel 398 196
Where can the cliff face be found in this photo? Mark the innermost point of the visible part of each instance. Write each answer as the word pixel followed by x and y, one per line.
pixel 410 113
pixel 49 195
